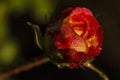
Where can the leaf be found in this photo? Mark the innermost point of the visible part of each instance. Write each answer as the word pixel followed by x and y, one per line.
pixel 38 36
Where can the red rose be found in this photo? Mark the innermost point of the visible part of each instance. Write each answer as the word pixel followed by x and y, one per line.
pixel 77 38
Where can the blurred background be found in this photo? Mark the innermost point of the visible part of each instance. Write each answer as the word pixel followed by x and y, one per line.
pixel 17 39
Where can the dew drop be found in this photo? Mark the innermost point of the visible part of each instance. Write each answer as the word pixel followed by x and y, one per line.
pixel 60 66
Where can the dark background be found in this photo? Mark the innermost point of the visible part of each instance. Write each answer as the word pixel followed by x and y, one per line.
pixel 108 14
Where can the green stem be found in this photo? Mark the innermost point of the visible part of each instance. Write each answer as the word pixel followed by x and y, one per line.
pixel 90 66
pixel 24 67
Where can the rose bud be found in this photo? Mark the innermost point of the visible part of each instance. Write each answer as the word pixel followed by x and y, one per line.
pixel 75 39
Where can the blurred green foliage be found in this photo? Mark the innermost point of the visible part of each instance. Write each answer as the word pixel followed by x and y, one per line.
pixel 3 25
pixel 41 10
pixel 8 52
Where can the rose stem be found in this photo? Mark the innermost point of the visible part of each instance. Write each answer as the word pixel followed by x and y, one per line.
pixel 24 67
pixel 90 66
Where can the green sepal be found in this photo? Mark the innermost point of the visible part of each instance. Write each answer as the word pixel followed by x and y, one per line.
pixel 91 60
pixel 83 68
pixel 39 40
